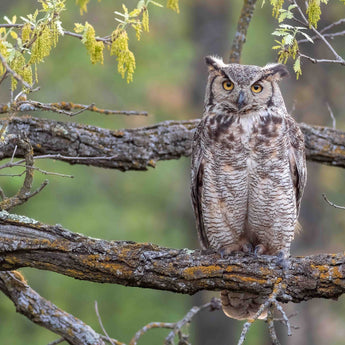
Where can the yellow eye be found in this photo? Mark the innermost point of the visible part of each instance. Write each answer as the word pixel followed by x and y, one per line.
pixel 228 85
pixel 256 88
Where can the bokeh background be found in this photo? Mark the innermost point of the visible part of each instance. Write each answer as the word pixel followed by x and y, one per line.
pixel 154 206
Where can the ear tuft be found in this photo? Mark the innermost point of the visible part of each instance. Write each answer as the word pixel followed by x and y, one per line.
pixel 275 72
pixel 214 63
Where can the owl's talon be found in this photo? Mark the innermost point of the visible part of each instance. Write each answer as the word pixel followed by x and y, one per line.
pixel 259 250
pixel 247 248
pixel 282 260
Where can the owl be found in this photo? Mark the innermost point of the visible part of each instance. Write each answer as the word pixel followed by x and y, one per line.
pixel 248 169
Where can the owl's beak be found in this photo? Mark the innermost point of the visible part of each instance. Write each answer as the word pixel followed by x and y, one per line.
pixel 240 100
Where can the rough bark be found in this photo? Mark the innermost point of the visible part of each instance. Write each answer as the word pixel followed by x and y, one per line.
pixel 29 303
pixel 28 243
pixel 139 148
pixel 241 32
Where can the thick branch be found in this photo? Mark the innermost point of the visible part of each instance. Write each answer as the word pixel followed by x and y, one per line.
pixel 136 149
pixel 29 303
pixel 241 32
pixel 28 243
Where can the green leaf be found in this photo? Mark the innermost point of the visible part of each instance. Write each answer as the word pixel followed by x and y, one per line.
pixel 288 39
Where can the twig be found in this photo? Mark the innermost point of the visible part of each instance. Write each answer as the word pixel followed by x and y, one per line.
pixel 241 33
pixel 332 116
pixel 149 326
pixel 14 74
pixel 271 301
pixel 331 203
pixel 101 324
pixel 330 36
pixel 213 305
pixel 63 108
pixel 25 191
pixel 106 39
pixel 271 328
pixel 18 164
pixel 338 58
pixel 331 26
pixel 313 60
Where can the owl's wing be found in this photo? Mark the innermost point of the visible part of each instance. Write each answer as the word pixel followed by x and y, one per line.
pixel 197 172
pixel 297 160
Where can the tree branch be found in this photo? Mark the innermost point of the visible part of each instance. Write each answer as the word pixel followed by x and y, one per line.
pixel 241 32
pixel 27 243
pixel 62 108
pixel 29 303
pixel 139 148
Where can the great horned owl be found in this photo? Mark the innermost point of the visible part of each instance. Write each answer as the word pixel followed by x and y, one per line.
pixel 248 169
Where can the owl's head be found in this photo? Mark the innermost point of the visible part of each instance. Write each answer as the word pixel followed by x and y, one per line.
pixel 240 89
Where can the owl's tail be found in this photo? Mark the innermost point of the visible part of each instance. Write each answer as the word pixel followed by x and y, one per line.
pixel 241 305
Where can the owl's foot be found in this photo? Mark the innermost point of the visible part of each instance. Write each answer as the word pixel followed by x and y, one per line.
pixel 282 260
pixel 234 249
pixel 260 249
pixel 247 248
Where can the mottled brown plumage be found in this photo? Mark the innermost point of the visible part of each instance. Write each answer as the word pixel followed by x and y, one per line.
pixel 248 169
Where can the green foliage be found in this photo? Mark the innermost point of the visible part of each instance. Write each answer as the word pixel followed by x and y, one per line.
pixel 83 5
pixel 288 45
pixel 173 4
pixel 27 45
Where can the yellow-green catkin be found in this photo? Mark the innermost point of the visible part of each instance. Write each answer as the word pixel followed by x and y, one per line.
pixel 145 20
pixel 83 5
pixel 19 65
pixel 26 33
pixel 277 5
pixel 313 12
pixel 125 58
pixel 94 48
pixel 42 45
pixel 3 50
pixel 173 4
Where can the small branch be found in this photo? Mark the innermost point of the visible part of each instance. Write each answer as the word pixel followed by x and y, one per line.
pixel 332 25
pixel 330 36
pixel 25 191
pixel 331 203
pixel 13 73
pixel 37 309
pixel 271 329
pixel 149 326
pixel 241 33
pixel 313 60
pixel 105 40
pixel 63 108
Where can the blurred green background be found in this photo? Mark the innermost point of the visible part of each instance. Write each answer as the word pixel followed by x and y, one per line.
pixel 154 206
